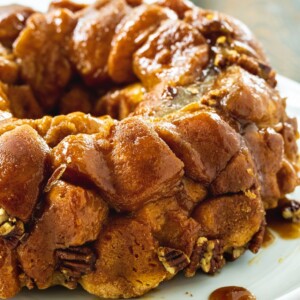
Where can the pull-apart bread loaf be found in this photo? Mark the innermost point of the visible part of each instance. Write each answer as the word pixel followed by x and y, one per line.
pixel 137 140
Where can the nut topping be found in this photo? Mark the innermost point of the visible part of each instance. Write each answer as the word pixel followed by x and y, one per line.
pixel 11 229
pixel 207 256
pixel 75 262
pixel 258 238
pixel 173 260
pixel 3 216
pixel 291 211
pixel 25 280
pixel 234 253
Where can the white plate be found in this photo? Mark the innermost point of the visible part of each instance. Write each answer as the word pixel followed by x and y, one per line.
pixel 274 273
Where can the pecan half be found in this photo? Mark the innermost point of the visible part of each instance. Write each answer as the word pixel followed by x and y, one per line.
pixel 207 256
pixel 258 238
pixel 11 229
pixel 267 73
pixel 173 260
pixel 290 210
pixel 75 262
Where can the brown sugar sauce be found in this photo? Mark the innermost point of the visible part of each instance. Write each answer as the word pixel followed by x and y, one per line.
pixel 284 228
pixel 231 293
pixel 269 238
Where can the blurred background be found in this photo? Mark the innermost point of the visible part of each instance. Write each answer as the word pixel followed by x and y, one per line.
pixel 276 23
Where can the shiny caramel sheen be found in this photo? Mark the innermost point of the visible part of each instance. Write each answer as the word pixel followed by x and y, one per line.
pixel 137 140
pixel 231 293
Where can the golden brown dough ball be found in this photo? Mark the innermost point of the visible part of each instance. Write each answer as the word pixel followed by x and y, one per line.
pixel 84 161
pixel 128 265
pixel 267 147
pixel 23 103
pixel 131 34
pixel 9 70
pixel 142 165
pixel 23 158
pixel 170 224
pixel 179 6
pixel 249 97
pixel 239 175
pixel 72 217
pixel 175 55
pixel 120 103
pixel 234 219
pixel 91 40
pixel 204 155
pixel 76 99
pixel 41 48
pixel 67 4
pixel 55 129
pixel 12 21
pixel 9 280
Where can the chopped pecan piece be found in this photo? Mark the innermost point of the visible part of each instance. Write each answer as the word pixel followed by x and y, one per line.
pixel 198 252
pixel 207 256
pixel 25 280
pixel 213 259
pixel 267 73
pixel 224 57
pixel 11 229
pixel 234 253
pixel 75 262
pixel 258 238
pixel 3 216
pixel 229 54
pixel 173 260
pixel 255 67
pixel 290 210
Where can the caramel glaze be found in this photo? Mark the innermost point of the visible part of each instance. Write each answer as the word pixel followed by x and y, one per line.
pixel 284 228
pixel 268 238
pixel 231 293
